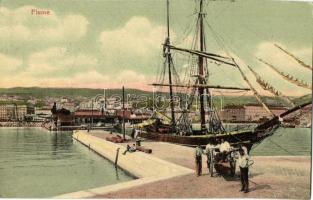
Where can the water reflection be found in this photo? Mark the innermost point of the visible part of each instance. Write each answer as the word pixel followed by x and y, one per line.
pixel 116 173
pixel 61 141
pixel 37 163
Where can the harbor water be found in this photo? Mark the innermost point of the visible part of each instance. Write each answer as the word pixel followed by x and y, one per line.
pixel 37 163
pixel 285 142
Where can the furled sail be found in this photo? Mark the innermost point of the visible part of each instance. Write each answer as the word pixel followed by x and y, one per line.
pixel 212 56
pixel 288 77
pixel 256 94
pixel 201 86
pixel 294 57
pixel 266 86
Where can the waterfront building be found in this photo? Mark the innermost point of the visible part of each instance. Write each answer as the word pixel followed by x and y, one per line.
pixel 248 113
pixel 87 116
pixel 139 117
pixel 42 114
pixel 301 118
pixel 32 101
pixel 233 113
pixel 111 103
pixel 90 105
pixel 11 112
pixel 68 105
pixel 6 113
pixel 43 111
pixel 61 117
pixel 127 114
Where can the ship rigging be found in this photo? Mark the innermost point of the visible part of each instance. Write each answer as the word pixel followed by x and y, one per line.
pixel 198 87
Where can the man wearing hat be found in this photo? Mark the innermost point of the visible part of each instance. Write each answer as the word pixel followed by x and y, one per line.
pixel 198 160
pixel 244 163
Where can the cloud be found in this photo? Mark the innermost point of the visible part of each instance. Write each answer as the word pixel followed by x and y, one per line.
pixel 267 51
pixel 133 46
pixel 58 61
pixel 138 37
pixel 128 52
pixel 9 64
pixel 88 79
pixel 21 25
pixel 133 79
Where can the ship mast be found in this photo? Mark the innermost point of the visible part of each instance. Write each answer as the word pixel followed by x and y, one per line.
pixel 201 76
pixel 169 63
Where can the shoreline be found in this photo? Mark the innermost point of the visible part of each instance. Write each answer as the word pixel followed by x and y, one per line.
pixel 102 156
pixel 21 127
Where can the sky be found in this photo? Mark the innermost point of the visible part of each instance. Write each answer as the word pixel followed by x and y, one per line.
pixel 111 43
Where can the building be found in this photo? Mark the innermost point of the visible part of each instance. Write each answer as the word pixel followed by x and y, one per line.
pixel 42 114
pixel 139 117
pixel 90 105
pixel 6 112
pixel 232 113
pixel 125 113
pixel 62 117
pixel 300 118
pixel 11 112
pixel 43 111
pixel 83 116
pixel 248 113
pixel 111 103
pixel 88 116
pixel 68 106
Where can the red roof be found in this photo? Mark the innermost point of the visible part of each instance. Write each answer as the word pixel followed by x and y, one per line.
pixel 127 113
pixel 88 113
pixel 141 117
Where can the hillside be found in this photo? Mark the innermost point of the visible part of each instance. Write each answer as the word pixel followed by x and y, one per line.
pixel 303 99
pixel 41 93
pixel 75 93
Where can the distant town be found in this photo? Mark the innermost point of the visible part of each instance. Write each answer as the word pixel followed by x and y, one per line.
pixel 106 107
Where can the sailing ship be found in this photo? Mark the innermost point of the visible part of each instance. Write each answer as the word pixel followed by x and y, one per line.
pixel 178 128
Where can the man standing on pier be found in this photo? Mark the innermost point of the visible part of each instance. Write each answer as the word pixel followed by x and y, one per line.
pixel 198 160
pixel 244 163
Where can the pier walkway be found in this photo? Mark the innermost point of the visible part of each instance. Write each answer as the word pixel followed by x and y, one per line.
pixel 145 167
pixel 270 177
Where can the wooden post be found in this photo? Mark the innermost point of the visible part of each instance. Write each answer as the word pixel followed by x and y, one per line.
pixel 123 91
pixel 91 114
pixel 116 157
pixel 169 63
pixel 201 77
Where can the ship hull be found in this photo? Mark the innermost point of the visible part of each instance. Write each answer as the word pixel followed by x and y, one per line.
pixel 235 138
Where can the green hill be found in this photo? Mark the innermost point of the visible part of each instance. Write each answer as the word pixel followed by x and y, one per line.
pixel 41 93
pixel 303 99
pixel 76 93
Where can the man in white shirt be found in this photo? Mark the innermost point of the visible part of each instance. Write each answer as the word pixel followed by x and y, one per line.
pixel 225 146
pixel 244 163
pixel 208 148
pixel 224 149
